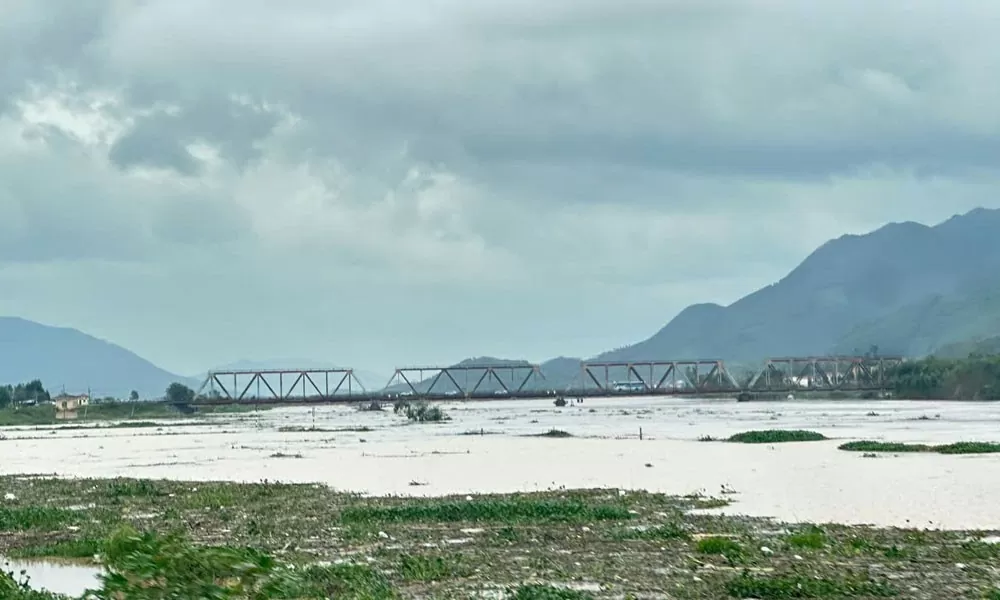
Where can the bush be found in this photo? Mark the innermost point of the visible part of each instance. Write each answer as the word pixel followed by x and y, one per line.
pixel 776 436
pixel 720 546
pixel 869 446
pixel 421 412
pixel 555 433
pixel 956 448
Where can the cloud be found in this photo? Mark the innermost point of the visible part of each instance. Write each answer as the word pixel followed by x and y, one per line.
pixel 380 182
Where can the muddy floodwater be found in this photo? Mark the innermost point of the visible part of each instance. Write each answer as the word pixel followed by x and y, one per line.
pixel 491 447
pixel 58 577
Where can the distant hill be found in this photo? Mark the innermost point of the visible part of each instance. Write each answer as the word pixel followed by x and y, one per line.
pixel 67 358
pixel 935 324
pixel 847 283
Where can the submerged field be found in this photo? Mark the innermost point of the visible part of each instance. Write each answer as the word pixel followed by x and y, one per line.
pixel 557 544
pixel 487 512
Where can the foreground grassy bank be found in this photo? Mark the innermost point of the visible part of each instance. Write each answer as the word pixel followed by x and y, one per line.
pixel 168 539
pixel 46 415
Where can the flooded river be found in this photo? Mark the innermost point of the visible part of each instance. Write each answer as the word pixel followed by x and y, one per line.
pixel 58 577
pixel 490 447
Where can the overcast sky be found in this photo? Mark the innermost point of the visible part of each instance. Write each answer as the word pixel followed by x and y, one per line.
pixel 385 182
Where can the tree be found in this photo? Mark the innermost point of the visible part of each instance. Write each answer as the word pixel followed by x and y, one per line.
pixel 134 396
pixel 178 393
pixel 6 396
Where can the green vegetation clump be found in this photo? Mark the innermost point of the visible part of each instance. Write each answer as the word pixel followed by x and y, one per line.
pixel 555 433
pixel 432 568
pixel 976 377
pixel 720 546
pixel 777 436
pixel 13 587
pixel 968 448
pixel 547 592
pixel 669 531
pixel 21 393
pixel 779 587
pixel 23 518
pixel 420 412
pixel 896 447
pixel 85 548
pixel 149 565
pixel 870 446
pixel 812 538
pixel 487 510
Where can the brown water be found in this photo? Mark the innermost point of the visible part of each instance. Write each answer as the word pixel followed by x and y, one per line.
pixel 793 482
pixel 57 577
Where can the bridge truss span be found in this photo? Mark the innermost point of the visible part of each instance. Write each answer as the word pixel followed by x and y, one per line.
pixel 270 385
pixel 468 381
pixel 480 381
pixel 824 373
pixel 658 377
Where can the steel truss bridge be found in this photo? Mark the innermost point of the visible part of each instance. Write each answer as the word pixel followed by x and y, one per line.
pixel 522 380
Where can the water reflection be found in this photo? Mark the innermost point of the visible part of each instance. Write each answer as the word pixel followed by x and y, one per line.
pixel 58 577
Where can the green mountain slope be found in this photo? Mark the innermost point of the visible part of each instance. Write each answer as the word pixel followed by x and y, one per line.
pixel 848 283
pixel 982 346
pixel 927 326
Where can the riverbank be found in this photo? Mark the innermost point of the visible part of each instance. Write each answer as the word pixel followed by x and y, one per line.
pixel 121 411
pixel 589 543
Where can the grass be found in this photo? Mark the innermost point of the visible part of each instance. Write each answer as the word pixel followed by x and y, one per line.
pixel 896 447
pixel 432 568
pixel 547 592
pixel 67 549
pixel 779 587
pixel 206 539
pixel 720 546
pixel 486 510
pixel 35 517
pixel 812 538
pixel 668 531
pixel 776 436
pixel 119 411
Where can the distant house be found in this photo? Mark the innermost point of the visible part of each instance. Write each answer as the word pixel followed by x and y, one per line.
pixel 67 405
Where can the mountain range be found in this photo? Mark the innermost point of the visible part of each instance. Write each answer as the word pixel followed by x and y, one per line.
pixel 68 360
pixel 852 293
pixel 906 288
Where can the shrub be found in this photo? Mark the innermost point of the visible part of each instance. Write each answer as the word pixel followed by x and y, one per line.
pixel 776 436
pixel 421 412
pixel 720 546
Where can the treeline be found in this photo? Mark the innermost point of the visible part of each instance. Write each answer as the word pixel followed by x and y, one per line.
pixel 976 377
pixel 23 393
